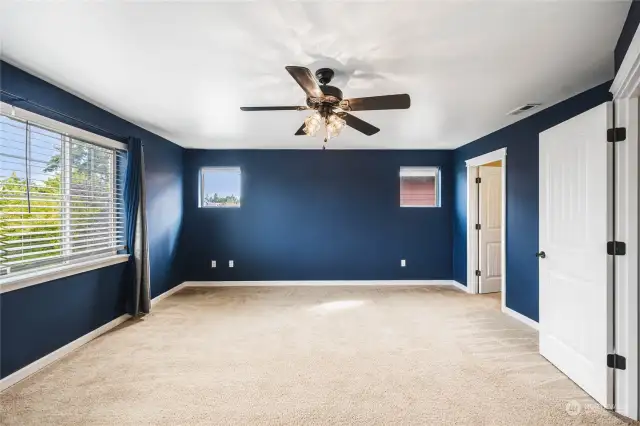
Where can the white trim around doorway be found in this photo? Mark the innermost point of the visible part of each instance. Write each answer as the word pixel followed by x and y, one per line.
pixel 472 219
pixel 625 90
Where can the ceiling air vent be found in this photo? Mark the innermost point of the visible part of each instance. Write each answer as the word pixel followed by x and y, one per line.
pixel 523 108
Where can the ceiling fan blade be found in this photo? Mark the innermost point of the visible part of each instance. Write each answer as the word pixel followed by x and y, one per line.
pixel 379 102
pixel 300 131
pixel 275 108
pixel 359 125
pixel 306 80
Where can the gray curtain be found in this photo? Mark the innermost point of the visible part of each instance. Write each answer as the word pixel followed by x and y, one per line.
pixel 141 247
pixel 139 297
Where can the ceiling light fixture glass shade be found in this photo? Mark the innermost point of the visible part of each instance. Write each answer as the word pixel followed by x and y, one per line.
pixel 334 126
pixel 312 124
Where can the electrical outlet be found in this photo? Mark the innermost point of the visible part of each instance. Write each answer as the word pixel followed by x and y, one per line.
pixel 231 264
pixel 403 263
pixel 213 263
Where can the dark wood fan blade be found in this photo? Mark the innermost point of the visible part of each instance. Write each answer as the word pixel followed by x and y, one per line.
pixel 306 80
pixel 379 102
pixel 359 125
pixel 300 131
pixel 275 108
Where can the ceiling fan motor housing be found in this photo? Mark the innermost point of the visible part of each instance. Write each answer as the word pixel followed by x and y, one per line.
pixel 332 94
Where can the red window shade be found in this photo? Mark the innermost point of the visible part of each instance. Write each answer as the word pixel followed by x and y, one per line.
pixel 418 191
pixel 419 187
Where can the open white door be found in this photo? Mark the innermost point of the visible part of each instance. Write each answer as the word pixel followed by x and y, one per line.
pixel 573 263
pixel 490 246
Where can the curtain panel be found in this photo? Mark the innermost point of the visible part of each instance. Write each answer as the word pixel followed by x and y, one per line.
pixel 138 296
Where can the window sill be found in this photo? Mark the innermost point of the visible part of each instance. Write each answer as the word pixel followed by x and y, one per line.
pixel 57 272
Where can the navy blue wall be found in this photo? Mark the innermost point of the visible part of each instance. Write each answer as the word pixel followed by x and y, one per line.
pixel 521 140
pixel 317 215
pixel 39 319
pixel 628 31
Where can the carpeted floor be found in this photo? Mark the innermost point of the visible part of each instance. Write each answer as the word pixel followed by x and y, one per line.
pixel 308 356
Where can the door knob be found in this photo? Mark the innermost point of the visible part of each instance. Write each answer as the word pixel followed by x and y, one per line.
pixel 541 254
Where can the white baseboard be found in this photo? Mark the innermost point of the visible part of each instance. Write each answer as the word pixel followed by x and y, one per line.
pixel 460 286
pixel 313 283
pixel 167 293
pixel 59 353
pixel 526 320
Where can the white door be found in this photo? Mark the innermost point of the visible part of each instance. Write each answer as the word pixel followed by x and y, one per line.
pixel 490 246
pixel 574 308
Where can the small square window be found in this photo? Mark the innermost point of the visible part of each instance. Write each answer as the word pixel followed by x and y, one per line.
pixel 419 187
pixel 220 187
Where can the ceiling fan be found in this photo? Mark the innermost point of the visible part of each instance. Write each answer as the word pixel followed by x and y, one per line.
pixel 331 110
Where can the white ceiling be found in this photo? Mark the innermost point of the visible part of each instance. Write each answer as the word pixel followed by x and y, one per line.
pixel 182 70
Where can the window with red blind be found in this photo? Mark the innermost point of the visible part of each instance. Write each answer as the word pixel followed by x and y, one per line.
pixel 419 187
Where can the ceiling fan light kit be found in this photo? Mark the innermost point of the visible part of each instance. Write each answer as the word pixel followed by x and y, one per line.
pixel 331 111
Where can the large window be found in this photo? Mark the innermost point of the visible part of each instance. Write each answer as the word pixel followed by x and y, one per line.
pixel 419 187
pixel 220 187
pixel 60 195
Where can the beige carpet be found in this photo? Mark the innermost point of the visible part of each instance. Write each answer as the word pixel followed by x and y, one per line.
pixel 308 356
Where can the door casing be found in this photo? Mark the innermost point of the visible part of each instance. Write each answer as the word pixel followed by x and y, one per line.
pixel 472 219
pixel 626 90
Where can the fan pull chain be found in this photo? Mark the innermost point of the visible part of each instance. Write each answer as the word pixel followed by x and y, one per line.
pixel 327 137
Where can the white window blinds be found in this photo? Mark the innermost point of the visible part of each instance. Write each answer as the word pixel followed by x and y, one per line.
pixel 60 197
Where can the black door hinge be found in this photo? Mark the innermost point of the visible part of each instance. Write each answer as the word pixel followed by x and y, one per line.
pixel 616 361
pixel 617 134
pixel 616 248
pixel 477 272
pixel 478 226
pixel 478 180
